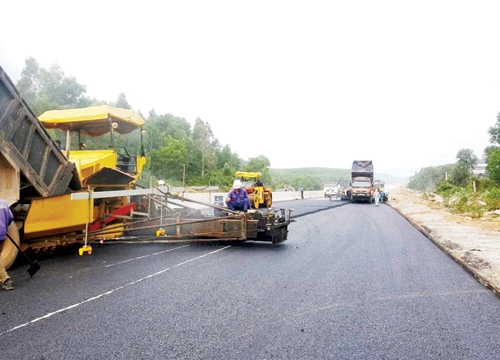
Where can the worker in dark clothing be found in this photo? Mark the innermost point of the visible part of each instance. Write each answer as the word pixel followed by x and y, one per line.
pixel 6 218
pixel 59 146
pixel 237 199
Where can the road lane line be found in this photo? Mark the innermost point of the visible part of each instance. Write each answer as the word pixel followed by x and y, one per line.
pixel 46 316
pixel 202 256
pixel 144 256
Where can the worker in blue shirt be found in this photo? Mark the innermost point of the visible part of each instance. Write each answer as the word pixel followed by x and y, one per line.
pixel 237 199
pixel 6 218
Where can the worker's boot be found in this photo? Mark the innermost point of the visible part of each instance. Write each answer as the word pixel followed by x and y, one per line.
pixel 7 285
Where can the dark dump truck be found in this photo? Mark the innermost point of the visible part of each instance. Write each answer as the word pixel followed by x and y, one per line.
pixel 31 163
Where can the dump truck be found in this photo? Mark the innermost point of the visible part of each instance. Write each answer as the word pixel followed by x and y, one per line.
pixel 361 185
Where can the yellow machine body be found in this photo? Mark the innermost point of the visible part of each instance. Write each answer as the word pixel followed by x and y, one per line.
pixel 89 162
pixel 56 215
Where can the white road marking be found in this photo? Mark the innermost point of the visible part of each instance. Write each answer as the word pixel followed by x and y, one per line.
pixel 145 256
pixel 202 256
pixel 46 316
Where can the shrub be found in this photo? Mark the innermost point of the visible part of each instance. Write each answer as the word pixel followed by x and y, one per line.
pixel 492 199
pixel 468 203
pixel 483 184
pixel 447 189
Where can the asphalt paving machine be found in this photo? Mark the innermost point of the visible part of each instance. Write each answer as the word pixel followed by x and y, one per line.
pixel 61 197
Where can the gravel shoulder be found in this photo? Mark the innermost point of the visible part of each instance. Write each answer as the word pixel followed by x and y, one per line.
pixel 474 243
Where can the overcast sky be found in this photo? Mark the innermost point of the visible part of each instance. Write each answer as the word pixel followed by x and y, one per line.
pixel 306 83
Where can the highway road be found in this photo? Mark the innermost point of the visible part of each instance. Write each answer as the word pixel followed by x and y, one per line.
pixel 353 281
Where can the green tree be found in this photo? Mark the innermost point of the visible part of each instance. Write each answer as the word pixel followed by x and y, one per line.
pixel 493 165
pixel 29 83
pixel 122 102
pixel 170 159
pixel 427 178
pixel 260 164
pixel 494 132
pixel 227 159
pixel 466 159
pixel 204 147
pixel 462 172
pixel 158 128
pixel 460 176
pixel 49 89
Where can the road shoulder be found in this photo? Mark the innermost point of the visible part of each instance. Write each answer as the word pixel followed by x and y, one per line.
pixel 475 248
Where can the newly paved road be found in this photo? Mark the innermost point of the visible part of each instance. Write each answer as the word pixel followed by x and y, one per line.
pixel 352 282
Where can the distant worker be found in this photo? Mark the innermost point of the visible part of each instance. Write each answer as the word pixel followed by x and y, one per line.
pixel 6 218
pixel 382 196
pixel 301 193
pixel 237 199
pixel 83 146
pixel 376 196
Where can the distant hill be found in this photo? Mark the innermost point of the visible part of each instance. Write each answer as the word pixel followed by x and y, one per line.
pixel 390 178
pixel 325 173
pixel 329 174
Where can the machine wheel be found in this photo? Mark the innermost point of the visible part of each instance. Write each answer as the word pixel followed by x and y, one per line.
pixel 269 200
pixel 8 252
pixel 256 203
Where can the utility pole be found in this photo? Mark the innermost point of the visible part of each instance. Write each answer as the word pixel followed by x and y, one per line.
pixel 184 175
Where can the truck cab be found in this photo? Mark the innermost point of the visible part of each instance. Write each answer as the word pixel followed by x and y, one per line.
pixel 362 190
pixel 331 190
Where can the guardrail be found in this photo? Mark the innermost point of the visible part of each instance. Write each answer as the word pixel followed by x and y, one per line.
pixel 212 197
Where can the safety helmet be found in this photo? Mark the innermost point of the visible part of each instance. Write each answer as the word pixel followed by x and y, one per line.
pixel 237 184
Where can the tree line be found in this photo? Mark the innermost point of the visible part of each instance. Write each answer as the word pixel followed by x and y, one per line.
pixel 464 191
pixel 178 153
pixel 181 154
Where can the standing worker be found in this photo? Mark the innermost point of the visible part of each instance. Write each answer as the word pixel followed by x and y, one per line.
pixel 237 199
pixel 6 218
pixel 376 196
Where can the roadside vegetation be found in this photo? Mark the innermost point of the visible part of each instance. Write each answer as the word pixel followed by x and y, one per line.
pixel 177 152
pixel 183 154
pixel 456 184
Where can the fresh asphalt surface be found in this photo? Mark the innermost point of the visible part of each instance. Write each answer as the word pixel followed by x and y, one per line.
pixel 353 281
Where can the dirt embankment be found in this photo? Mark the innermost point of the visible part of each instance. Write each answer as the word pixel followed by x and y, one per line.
pixel 474 243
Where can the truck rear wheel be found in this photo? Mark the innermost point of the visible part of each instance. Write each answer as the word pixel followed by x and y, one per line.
pixel 8 252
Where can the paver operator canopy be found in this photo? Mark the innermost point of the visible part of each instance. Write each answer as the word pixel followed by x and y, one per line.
pixel 93 121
